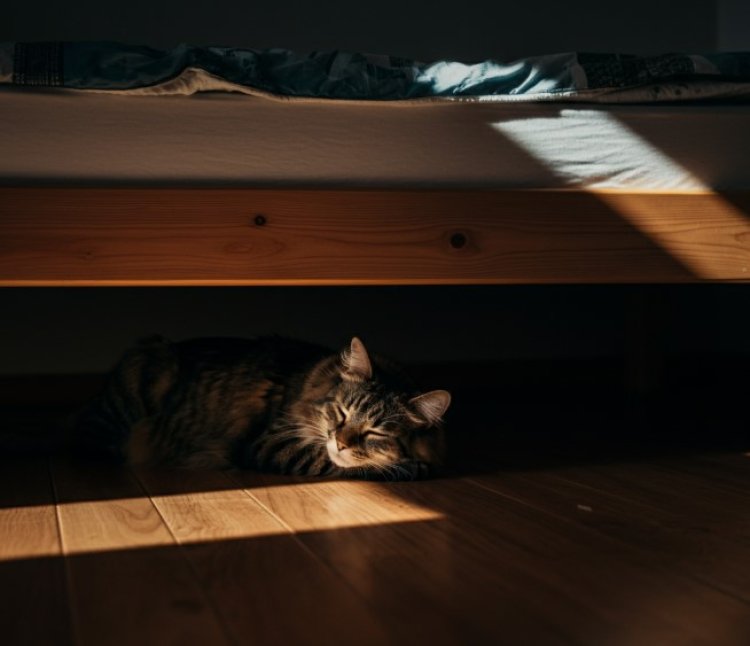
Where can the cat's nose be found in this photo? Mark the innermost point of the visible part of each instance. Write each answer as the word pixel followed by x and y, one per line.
pixel 341 446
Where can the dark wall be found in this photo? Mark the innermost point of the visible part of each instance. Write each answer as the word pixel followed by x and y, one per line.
pixel 733 25
pixel 467 30
pixel 84 330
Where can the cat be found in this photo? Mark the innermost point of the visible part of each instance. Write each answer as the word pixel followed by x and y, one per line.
pixel 270 404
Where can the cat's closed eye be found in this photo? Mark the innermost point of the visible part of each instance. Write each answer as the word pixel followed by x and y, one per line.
pixel 375 435
pixel 341 417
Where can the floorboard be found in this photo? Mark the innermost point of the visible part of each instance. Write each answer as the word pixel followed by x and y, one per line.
pixel 728 475
pixel 649 550
pixel 679 541
pixel 433 578
pixel 129 581
pixel 620 595
pixel 264 584
pixel 33 594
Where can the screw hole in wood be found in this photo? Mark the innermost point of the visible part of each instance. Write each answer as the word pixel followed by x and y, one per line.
pixel 260 220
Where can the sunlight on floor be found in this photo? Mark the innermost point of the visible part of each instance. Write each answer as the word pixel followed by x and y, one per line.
pixel 200 517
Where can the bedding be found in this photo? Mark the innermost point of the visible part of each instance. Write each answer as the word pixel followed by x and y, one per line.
pixel 339 75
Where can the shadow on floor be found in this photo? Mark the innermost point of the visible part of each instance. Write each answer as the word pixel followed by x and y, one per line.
pixel 530 417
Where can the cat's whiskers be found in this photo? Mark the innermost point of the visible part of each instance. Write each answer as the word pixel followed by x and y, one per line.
pixel 305 435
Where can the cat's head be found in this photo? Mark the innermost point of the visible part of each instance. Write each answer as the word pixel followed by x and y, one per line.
pixel 377 425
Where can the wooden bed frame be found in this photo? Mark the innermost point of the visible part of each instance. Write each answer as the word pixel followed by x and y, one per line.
pixel 65 236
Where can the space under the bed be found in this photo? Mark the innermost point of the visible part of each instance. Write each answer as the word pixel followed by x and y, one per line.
pixel 66 236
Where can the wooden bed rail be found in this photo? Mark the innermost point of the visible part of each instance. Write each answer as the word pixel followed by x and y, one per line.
pixel 300 236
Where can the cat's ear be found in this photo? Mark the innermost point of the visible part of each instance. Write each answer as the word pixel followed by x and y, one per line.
pixel 356 362
pixel 432 405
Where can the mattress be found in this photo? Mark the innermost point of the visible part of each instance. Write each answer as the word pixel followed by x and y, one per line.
pixel 58 136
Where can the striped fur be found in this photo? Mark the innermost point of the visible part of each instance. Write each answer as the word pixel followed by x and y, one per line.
pixel 270 404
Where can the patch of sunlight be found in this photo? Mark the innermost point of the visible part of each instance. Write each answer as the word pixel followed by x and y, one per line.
pixel 593 151
pixel 95 526
pixel 679 229
pixel 338 504
pixel 28 532
pixel 445 76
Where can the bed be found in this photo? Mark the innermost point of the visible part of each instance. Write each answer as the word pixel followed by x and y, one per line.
pixel 195 176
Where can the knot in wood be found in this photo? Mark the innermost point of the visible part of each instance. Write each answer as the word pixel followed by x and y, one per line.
pixel 458 240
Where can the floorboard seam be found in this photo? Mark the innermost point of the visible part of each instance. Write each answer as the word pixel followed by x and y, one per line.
pixel 632 549
pixel 72 614
pixel 294 535
pixel 193 572
pixel 638 503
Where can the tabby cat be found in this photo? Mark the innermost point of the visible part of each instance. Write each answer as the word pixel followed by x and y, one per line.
pixel 270 404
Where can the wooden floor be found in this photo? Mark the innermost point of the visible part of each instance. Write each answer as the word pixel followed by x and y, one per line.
pixel 644 550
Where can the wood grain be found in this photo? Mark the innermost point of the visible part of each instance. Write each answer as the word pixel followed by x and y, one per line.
pixel 129 581
pixel 729 474
pixel 689 539
pixel 28 524
pixel 645 551
pixel 649 600
pixel 206 506
pixel 434 580
pixel 267 588
pixel 255 236
pixel 33 594
pixel 497 568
